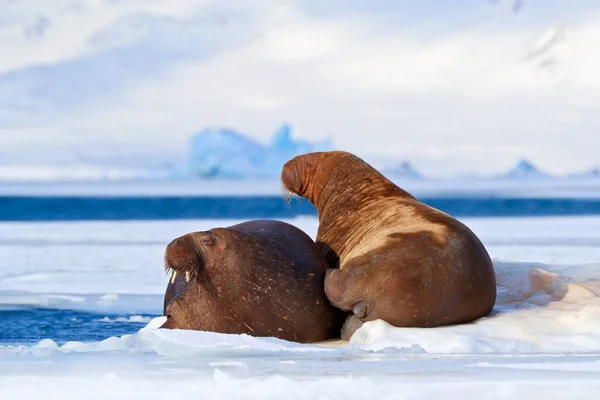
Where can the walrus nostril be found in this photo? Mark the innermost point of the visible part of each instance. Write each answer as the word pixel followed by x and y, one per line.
pixel 175 242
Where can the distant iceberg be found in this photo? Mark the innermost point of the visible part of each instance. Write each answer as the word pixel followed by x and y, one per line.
pixel 525 170
pixel 593 173
pixel 225 153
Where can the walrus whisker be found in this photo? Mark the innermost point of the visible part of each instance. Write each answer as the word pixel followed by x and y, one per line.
pixel 187 270
pixel 287 194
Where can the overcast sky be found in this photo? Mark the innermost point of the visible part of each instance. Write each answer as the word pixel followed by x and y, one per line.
pixel 454 86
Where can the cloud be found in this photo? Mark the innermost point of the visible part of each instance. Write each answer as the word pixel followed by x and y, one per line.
pixel 131 45
pixel 476 91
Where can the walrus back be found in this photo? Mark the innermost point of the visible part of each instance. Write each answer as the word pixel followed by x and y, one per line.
pixel 295 271
pixel 414 265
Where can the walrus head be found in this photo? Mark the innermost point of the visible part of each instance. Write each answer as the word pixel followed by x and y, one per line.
pixel 326 175
pixel 192 259
pixel 296 175
pixel 184 256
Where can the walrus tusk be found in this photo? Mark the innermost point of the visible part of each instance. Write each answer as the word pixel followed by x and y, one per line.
pixel 187 276
pixel 174 276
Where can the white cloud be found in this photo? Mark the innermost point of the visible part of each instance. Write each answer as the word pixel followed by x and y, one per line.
pixel 474 97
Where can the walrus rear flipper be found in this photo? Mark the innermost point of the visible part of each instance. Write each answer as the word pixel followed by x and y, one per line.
pixel 351 325
pixel 168 325
pixel 336 285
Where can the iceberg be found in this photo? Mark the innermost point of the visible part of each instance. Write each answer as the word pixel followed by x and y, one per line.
pixel 592 173
pixel 595 172
pixel 226 153
pixel 525 170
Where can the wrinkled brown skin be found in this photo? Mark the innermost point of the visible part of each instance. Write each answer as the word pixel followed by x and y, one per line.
pixel 262 278
pixel 391 257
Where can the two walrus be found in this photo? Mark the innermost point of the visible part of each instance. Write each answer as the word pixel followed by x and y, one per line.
pixel 379 254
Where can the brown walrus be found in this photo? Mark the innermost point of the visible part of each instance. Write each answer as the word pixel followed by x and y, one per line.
pixel 391 256
pixel 262 278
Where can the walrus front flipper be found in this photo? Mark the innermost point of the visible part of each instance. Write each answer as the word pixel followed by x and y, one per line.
pixel 335 288
pixel 345 289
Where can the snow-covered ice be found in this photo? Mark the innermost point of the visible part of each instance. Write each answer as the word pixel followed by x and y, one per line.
pixel 132 318
pixel 542 341
pixel 316 376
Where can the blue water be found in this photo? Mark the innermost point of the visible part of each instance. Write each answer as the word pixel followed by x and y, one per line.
pixel 21 208
pixel 31 325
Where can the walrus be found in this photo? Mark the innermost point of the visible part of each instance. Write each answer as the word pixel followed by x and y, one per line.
pixel 391 257
pixel 261 278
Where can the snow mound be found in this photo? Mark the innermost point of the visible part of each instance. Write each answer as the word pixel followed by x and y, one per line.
pixel 225 153
pixel 174 343
pixel 537 311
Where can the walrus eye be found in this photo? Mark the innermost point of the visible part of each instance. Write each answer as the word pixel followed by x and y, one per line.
pixel 207 241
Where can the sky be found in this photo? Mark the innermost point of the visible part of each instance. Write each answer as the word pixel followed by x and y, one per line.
pixel 469 86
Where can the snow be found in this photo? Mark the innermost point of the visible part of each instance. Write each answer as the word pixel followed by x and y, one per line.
pixel 178 343
pixel 133 318
pixel 419 378
pixel 542 341
pixel 226 153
